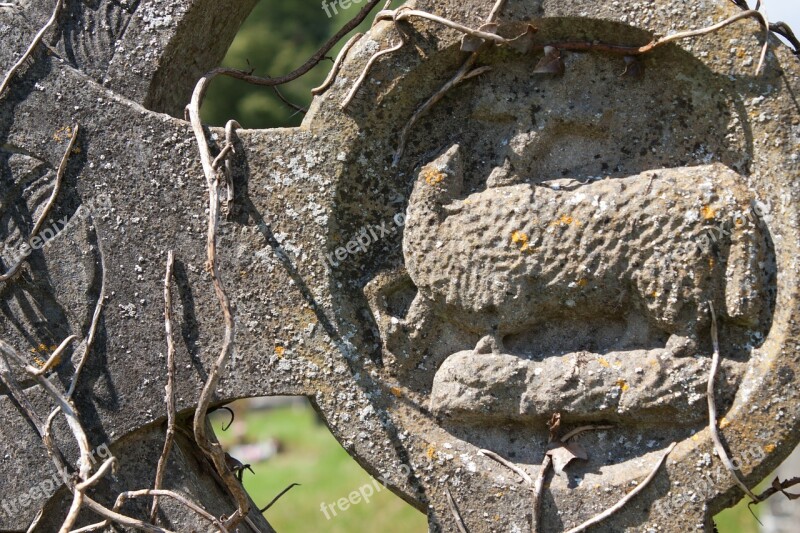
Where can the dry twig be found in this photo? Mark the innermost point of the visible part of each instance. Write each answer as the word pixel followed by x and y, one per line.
pixel 29 52
pixel 628 497
pixel 214 450
pixel 278 497
pixel 712 409
pixel 169 388
pixel 454 510
pixel 55 357
pixel 463 73
pixel 180 498
pixel 547 463
pixel 360 80
pixel 538 490
pixel 337 65
pixel 508 464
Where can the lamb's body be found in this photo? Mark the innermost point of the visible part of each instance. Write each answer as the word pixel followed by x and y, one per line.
pixel 505 259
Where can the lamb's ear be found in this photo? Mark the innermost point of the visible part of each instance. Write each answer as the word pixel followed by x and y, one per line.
pixel 451 161
pixel 441 180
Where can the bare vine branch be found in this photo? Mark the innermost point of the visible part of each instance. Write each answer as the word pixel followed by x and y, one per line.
pixel 337 65
pixel 712 409
pixel 454 510
pixel 170 387
pixel 29 52
pixel 628 497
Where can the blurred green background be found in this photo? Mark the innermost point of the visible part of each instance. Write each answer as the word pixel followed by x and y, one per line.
pixel 278 37
pixel 304 451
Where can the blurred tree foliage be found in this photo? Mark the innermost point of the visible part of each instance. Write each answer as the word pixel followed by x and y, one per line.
pixel 277 37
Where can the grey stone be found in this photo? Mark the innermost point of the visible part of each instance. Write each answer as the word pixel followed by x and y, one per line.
pixel 305 193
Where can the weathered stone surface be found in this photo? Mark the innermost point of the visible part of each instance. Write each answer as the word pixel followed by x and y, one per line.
pixel 305 193
pixel 583 387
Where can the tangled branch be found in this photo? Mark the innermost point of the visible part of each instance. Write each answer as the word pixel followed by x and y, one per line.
pixel 475 38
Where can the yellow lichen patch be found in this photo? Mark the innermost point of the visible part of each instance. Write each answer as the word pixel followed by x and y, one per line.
pixel 653 294
pixel 279 351
pixel 430 452
pixel 583 282
pixel 565 220
pixel 603 362
pixel 769 448
pixel 62 133
pixel 724 422
pixel 622 384
pixel 38 362
pixel 740 53
pixel 433 176
pixel 517 237
pixel 708 212
pixel 396 391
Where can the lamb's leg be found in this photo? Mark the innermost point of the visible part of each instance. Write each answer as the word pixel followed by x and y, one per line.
pixel 491 343
pixel 679 345
pixel 403 336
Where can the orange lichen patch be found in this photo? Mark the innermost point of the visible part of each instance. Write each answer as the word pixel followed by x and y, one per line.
pixel 565 220
pixel 308 317
pixel 396 391
pixel 708 212
pixel 38 362
pixel 279 351
pixel 62 133
pixel 769 448
pixel 724 422
pixel 430 452
pixel 622 384
pixel 603 362
pixel 653 294
pixel 583 282
pixel 432 176
pixel 740 53
pixel 517 237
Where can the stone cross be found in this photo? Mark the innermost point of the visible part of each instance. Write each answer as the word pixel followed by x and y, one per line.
pixel 546 243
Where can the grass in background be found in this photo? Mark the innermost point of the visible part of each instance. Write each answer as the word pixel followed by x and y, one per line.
pixel 313 458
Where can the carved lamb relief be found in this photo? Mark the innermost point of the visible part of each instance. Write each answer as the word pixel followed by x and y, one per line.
pixel 510 259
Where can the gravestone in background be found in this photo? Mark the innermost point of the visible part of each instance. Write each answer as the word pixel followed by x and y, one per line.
pixel 544 245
